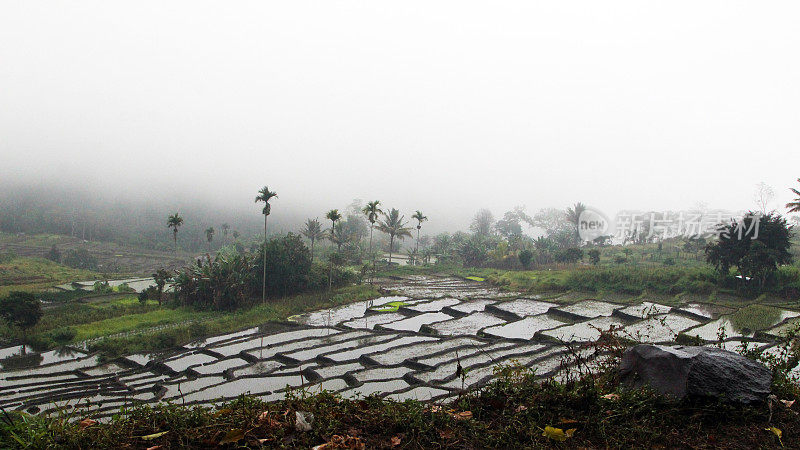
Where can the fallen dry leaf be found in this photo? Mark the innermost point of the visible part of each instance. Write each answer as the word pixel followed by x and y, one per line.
pixel 776 432
pixel 463 415
pixel 520 408
pixel 395 441
pixel 150 437
pixel 86 423
pixel 611 396
pixel 234 435
pixel 557 434
pixel 337 442
pixel 155 447
pixel 221 412
pixel 446 434
pixel 566 421
pixel 787 403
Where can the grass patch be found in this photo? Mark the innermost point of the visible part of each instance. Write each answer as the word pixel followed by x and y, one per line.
pixel 35 274
pixel 390 307
pixel 755 317
pixel 208 323
pixel 475 278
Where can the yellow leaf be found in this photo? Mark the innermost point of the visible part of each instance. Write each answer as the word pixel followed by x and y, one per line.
pixel 570 432
pixel 775 431
pixel 556 434
pixel 221 412
pixel 150 437
pixel 234 435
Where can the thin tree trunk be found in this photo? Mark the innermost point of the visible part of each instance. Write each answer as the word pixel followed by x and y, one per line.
pixel 330 261
pixel 391 247
pixel 312 250
pixel 371 227
pixel 264 277
pixel 175 238
pixel 416 248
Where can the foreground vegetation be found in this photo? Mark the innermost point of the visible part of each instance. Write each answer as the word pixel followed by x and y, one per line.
pixel 515 411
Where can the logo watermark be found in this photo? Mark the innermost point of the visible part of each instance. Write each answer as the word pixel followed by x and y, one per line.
pixel 640 226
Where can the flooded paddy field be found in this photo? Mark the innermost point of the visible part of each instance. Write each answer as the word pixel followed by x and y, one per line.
pixel 399 346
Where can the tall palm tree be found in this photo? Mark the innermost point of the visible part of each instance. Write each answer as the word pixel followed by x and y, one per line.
pixel 393 225
pixel 334 216
pixel 209 237
pixel 420 218
pixel 265 195
pixel 795 205
pixel 313 231
pixel 225 227
pixel 372 211
pixel 175 221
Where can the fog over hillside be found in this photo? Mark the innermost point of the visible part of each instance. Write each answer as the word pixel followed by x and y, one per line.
pixel 446 107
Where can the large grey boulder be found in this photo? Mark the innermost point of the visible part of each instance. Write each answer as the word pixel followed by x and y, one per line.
pixel 681 371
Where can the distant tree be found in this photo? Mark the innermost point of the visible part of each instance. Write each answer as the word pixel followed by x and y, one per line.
pixel 80 259
pixel 393 225
pixel 482 223
pixel 265 195
pixel 419 217
pixel 225 227
pixel 21 310
pixel 594 256
pixel 334 216
pixel 288 264
pixel 574 215
pixel 313 231
pixel 474 251
pixel 209 236
pixel 569 255
pixel 175 221
pixel 372 211
pixel 54 254
pixel 160 277
pixel 756 257
pixel 525 257
pixel 763 195
pixel 794 206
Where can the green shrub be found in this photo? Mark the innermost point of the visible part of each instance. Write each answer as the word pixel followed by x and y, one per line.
pixel 63 335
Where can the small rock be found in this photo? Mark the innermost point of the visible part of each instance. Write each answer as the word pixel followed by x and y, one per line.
pixel 685 371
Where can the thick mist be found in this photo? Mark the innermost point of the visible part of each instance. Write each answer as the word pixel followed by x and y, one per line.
pixel 447 107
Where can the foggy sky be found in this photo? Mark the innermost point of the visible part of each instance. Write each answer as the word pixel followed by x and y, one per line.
pixel 445 107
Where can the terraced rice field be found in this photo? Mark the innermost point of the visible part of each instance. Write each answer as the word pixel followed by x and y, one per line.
pixel 410 350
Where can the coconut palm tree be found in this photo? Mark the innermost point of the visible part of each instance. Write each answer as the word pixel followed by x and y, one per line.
pixel 334 216
pixel 420 218
pixel 175 221
pixel 225 227
pixel 372 211
pixel 393 225
pixel 795 205
pixel 265 195
pixel 209 236
pixel 313 231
